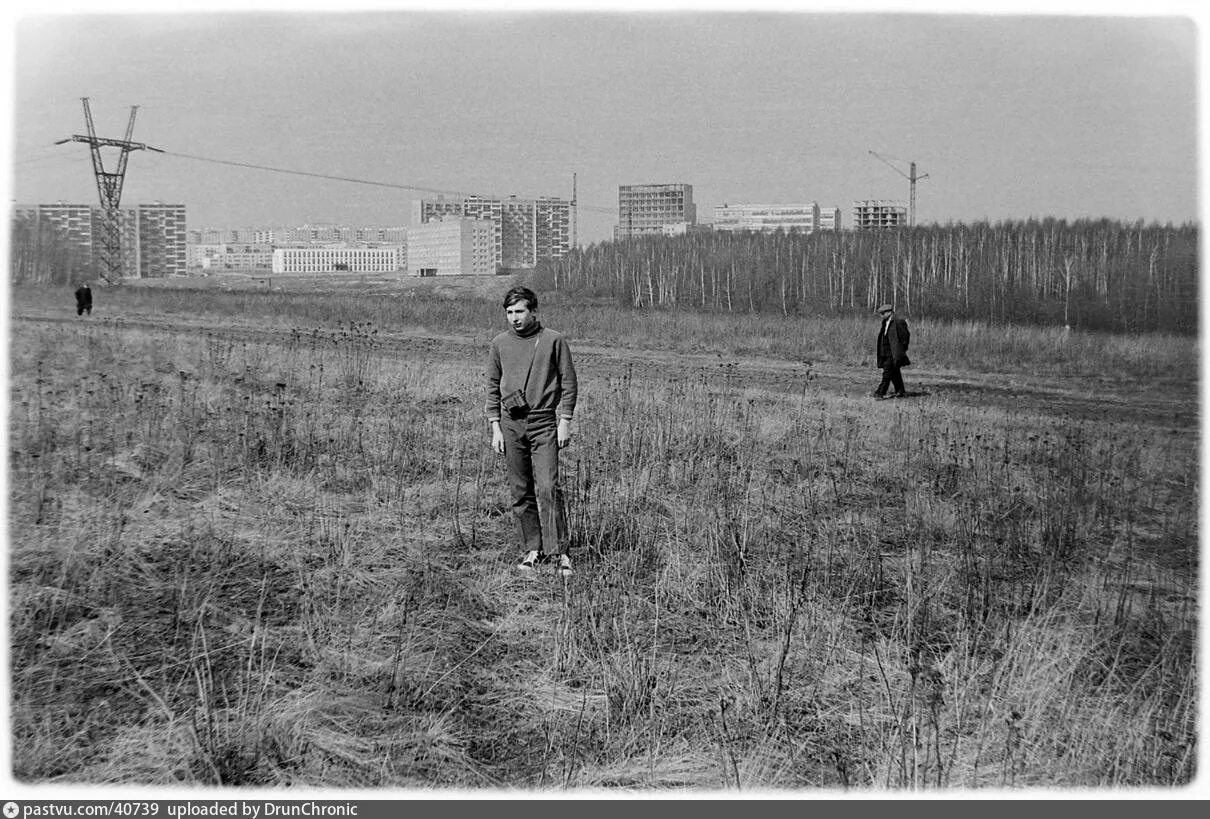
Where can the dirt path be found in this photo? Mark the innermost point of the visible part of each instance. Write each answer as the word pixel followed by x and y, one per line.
pixel 1173 407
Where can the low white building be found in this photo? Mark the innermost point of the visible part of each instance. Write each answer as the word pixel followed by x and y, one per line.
pixel 767 218
pixel 336 259
pixel 452 247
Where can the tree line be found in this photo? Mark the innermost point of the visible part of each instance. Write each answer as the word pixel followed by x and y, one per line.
pixel 1088 274
pixel 39 253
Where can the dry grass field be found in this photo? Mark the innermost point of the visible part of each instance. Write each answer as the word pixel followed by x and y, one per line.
pixel 260 539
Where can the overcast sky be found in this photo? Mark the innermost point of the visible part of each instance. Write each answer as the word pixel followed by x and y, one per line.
pixel 1011 116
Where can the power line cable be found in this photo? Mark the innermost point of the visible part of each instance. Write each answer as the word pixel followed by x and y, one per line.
pixel 354 180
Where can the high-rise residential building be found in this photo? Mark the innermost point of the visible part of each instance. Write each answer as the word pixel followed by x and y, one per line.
pixel 152 236
pixel 518 233
pixel 878 214
pixel 491 211
pixel 427 210
pixel 452 246
pixel 552 227
pixel 829 218
pixel 643 210
pixel 524 231
pixel 488 210
pixel 161 231
pixel 71 223
pixel 767 218
pixel 80 227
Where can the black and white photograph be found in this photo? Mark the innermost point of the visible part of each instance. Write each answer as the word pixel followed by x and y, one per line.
pixel 602 401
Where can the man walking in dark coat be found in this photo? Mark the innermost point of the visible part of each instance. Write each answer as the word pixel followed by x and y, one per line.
pixel 891 350
pixel 531 399
pixel 83 300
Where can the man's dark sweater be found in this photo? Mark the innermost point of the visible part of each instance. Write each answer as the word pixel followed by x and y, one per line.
pixel 552 380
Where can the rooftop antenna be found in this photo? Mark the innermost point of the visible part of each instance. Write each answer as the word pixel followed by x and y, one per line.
pixel 109 188
pixel 912 178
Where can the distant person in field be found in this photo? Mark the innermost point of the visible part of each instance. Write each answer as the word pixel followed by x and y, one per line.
pixel 531 397
pixel 83 300
pixel 891 348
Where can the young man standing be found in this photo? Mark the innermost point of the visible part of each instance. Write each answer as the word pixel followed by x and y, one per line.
pixel 891 349
pixel 531 398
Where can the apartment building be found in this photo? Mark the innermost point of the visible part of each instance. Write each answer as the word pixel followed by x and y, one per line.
pixel 524 231
pixel 152 236
pixel 879 214
pixel 232 257
pixel 162 234
pixel 80 226
pixel 452 246
pixel 552 225
pixel 221 236
pixel 335 259
pixel 518 234
pixel 71 223
pixel 643 210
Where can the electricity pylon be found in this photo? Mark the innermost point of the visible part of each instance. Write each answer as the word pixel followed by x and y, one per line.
pixel 912 178
pixel 109 188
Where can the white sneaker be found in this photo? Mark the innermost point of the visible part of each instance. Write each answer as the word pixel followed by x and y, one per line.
pixel 564 566
pixel 529 561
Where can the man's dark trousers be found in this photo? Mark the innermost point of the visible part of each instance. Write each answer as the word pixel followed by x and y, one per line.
pixel 891 376
pixel 531 449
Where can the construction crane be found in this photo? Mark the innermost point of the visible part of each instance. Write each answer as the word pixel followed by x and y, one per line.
pixel 912 178
pixel 109 188
pixel 575 215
